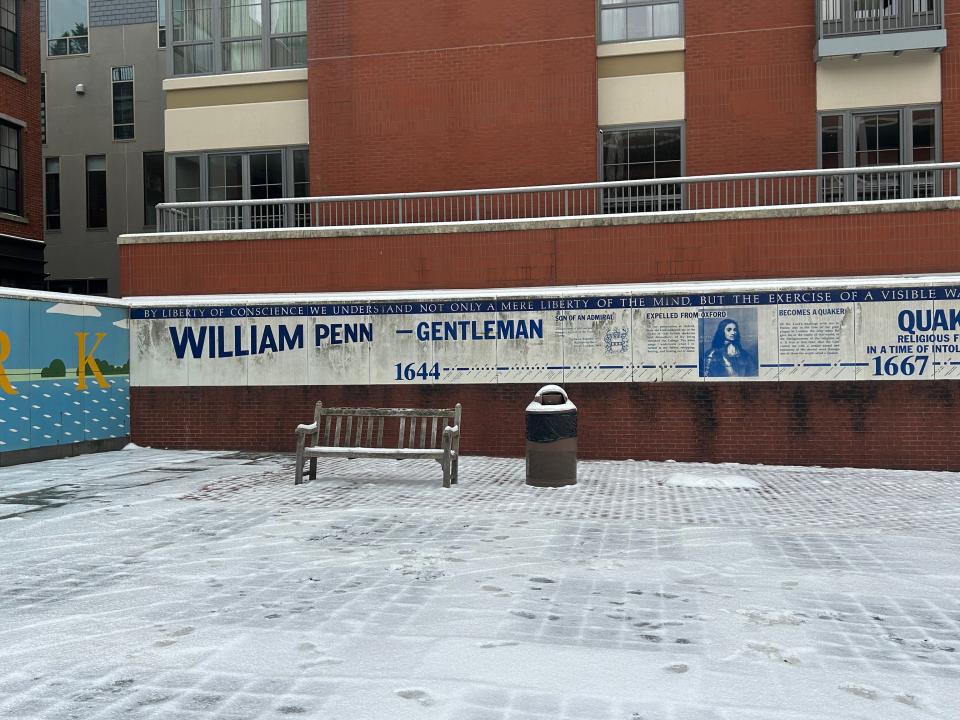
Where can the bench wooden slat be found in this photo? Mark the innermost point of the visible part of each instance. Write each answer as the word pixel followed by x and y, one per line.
pixel 389 412
pixel 403 425
pixel 326 430
pixel 433 431
pixel 346 435
pixel 336 432
pixel 412 440
pixel 349 452
pixel 373 421
pixel 380 432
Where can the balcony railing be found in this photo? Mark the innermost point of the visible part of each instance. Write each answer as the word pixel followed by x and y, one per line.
pixel 663 195
pixel 839 18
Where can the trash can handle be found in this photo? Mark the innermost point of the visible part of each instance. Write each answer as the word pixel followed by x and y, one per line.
pixel 549 390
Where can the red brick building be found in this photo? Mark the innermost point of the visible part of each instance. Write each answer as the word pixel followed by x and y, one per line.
pixel 21 179
pixel 442 95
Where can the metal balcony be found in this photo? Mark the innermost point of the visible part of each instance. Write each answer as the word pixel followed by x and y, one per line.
pixel 858 27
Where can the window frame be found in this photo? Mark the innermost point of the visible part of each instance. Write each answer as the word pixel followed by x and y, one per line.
pixel 106 205
pixel 18 172
pixel 217 42
pixel 624 4
pixel 17 45
pixel 133 103
pixel 161 24
pixel 47 214
pixel 288 185
pixel 678 124
pixel 68 38
pixel 163 182
pixel 905 112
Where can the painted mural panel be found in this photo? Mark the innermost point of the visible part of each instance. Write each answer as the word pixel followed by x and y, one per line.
pixel 64 373
pixel 886 332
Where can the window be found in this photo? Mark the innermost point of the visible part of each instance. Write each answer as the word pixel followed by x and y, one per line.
pixel 872 138
pixel 96 191
pixel 626 20
pixel 11 193
pixel 152 186
pixel 253 175
pixel 52 192
pixel 67 27
pixel 43 108
pixel 642 153
pixel 250 35
pixel 161 23
pixel 122 81
pixel 10 35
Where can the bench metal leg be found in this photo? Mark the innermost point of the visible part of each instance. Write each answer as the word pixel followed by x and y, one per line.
pixel 313 468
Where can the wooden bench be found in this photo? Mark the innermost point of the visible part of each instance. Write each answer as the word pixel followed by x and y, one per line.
pixel 359 432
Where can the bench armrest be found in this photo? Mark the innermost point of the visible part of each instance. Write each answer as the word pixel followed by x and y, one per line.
pixel 306 429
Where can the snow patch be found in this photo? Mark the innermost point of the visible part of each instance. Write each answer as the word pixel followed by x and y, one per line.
pixel 718 482
pixel 418 694
pixel 74 309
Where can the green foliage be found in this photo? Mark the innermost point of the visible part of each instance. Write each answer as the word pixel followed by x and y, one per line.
pixel 56 368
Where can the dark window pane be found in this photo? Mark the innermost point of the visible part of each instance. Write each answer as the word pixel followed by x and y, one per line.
pixel 96 191
pixel 641 171
pixel 10 181
pixel 668 169
pixel 301 173
pixel 614 147
pixel 668 145
pixel 187 182
pixel 924 133
pixel 9 35
pixel 152 186
pixel 831 134
pixel 192 59
pixel 52 192
pixel 641 146
pixel 288 51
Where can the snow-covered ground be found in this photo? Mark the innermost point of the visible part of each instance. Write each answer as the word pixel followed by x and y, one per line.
pixel 169 585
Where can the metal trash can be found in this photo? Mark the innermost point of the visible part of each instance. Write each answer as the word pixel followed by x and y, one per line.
pixel 551 438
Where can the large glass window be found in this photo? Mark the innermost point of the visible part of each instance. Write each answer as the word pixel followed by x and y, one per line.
pixel 626 20
pixel 10 35
pixel 642 153
pixel 875 138
pixel 96 191
pixel 122 82
pixel 242 35
pixel 67 27
pixel 252 175
pixel 52 192
pixel 11 187
pixel 152 186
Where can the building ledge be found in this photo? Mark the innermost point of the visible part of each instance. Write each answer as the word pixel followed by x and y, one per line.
pixel 263 77
pixel 896 42
pixel 641 47
pixel 582 221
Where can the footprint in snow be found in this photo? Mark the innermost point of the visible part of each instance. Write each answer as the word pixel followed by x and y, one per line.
pixel 523 614
pixel 863 691
pixel 421 696
pixel 678 668
pixel 497 643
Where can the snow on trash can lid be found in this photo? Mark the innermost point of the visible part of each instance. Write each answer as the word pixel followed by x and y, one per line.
pixel 544 403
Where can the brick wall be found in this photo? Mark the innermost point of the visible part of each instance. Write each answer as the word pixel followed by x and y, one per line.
pixel 443 94
pixel 870 244
pixel 21 101
pixel 751 90
pixel 893 425
pixel 950 80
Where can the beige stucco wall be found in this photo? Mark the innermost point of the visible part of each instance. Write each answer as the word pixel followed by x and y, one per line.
pixel 878 81
pixel 238 110
pixel 641 98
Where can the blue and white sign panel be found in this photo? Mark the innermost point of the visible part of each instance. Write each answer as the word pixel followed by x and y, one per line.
pixel 623 334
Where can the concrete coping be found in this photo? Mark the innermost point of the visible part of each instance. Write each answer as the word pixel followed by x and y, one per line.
pixel 582 221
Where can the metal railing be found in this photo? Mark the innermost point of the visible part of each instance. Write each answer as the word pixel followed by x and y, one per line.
pixel 703 192
pixel 837 18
